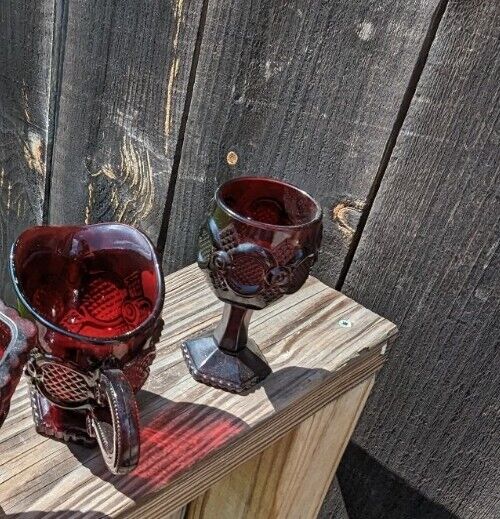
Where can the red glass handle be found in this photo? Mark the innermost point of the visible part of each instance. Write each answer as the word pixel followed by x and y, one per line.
pixel 119 440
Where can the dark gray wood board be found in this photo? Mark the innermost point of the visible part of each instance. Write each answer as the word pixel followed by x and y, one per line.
pixel 125 70
pixel 333 505
pixel 26 36
pixel 428 443
pixel 302 91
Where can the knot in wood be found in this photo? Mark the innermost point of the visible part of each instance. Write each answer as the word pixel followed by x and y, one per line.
pixel 232 158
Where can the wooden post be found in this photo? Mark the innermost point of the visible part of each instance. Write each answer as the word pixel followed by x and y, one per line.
pixel 279 444
pixel 290 478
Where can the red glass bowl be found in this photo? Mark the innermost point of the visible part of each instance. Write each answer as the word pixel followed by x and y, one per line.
pixel 89 269
pixel 17 338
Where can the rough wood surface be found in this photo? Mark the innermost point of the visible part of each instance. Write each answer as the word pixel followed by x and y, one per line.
pixel 26 34
pixel 289 479
pixel 125 70
pixel 333 506
pixel 303 91
pixel 427 444
pixel 193 435
pixel 179 514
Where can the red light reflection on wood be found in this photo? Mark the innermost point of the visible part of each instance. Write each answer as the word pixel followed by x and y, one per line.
pixel 180 436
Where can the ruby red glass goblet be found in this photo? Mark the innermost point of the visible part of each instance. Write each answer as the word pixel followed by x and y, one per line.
pixel 96 294
pixel 258 244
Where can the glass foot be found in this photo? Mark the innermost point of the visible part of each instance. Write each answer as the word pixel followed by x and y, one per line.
pixel 234 372
pixel 57 423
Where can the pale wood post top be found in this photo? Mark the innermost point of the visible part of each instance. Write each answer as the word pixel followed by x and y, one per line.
pixel 193 435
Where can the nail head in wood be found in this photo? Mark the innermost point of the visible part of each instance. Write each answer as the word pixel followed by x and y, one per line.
pixel 345 323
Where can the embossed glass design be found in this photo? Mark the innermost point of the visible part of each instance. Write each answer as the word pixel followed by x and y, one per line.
pixel 258 244
pixel 17 338
pixel 96 293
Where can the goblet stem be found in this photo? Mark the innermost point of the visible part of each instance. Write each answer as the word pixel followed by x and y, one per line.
pixel 231 333
pixel 227 358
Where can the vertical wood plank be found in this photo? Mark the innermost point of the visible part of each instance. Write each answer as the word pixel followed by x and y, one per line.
pixel 303 91
pixel 125 70
pixel 290 478
pixel 26 37
pixel 427 444
pixel 333 506
pixel 180 514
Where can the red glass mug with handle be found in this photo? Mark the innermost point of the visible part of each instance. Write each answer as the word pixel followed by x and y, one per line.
pixel 260 240
pixel 96 293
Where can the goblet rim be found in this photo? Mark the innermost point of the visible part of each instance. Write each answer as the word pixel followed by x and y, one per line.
pixel 148 322
pixel 318 215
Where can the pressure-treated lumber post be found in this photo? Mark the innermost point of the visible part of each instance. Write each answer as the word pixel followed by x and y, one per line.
pixel 290 478
pixel 280 443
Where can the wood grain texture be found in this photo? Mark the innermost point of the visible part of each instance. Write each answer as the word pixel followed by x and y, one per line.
pixel 302 91
pixel 125 70
pixel 429 259
pixel 26 37
pixel 289 479
pixel 193 435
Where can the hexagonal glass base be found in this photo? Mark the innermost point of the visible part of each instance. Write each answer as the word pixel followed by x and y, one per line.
pixel 235 372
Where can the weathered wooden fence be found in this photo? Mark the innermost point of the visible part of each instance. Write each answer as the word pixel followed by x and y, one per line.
pixel 386 111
